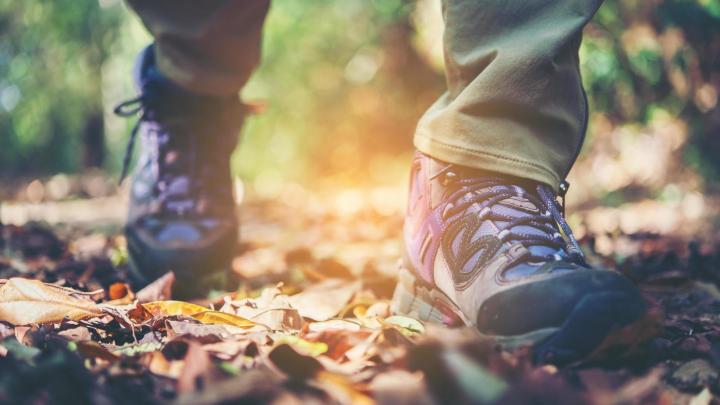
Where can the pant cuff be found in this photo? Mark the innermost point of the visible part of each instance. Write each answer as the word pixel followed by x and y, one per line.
pixel 485 160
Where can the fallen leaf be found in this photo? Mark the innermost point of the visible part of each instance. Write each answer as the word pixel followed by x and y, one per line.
pixel 162 366
pixel 180 328
pixel 222 318
pixel 703 398
pixel 293 364
pixel 378 309
pixel 409 326
pixel 158 290
pixel 325 299
pixel 229 349
pixel 342 389
pixel 304 346
pixel 271 309
pixel 172 308
pixel 341 341
pixel 400 387
pixel 25 302
pixel 80 333
pixel 253 386
pixel 136 348
pixel 90 349
pixel 356 350
pixel 197 367
pixel 334 324
pixel 21 332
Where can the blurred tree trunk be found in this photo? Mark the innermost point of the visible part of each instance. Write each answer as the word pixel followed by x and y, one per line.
pixel 94 141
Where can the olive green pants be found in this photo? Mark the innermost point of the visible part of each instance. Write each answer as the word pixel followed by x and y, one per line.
pixel 514 102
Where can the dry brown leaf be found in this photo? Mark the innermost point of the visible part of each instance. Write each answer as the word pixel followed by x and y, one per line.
pixel 325 299
pixel 197 330
pixel 167 368
pixel 92 349
pixel 271 309
pixel 197 368
pixel 25 302
pixel 21 332
pixel 158 290
pixel 334 324
pixel 77 334
pixel 400 387
pixel 227 350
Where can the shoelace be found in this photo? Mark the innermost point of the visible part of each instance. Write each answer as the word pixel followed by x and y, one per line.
pixel 175 192
pixel 489 192
pixel 193 112
pixel 129 109
pixel 151 106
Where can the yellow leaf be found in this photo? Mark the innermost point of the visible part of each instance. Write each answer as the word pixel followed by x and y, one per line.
pixel 24 302
pixel 304 346
pixel 222 318
pixel 173 308
pixel 202 314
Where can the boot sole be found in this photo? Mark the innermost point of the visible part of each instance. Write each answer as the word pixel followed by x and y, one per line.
pixel 599 324
pixel 197 272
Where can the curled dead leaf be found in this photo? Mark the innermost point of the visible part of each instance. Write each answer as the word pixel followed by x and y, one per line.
pixel 25 302
pixel 325 299
pixel 158 290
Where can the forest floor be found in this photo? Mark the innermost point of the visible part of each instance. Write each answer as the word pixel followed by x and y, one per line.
pixel 311 321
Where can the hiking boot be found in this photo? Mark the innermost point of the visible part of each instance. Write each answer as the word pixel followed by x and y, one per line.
pixel 495 252
pixel 182 213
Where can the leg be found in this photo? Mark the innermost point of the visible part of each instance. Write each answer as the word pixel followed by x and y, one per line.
pixel 515 102
pixel 181 213
pixel 486 242
pixel 209 47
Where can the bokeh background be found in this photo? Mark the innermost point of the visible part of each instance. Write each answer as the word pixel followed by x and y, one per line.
pixel 343 83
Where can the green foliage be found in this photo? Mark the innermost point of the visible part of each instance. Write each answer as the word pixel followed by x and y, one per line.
pixel 639 58
pixel 51 54
pixel 341 84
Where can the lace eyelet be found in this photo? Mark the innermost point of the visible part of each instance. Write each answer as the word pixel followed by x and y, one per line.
pixel 448 178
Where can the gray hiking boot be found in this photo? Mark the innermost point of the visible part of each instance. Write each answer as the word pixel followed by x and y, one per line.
pixel 496 253
pixel 182 213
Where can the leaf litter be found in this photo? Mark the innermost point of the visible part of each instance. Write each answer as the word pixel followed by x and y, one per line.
pixel 310 325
